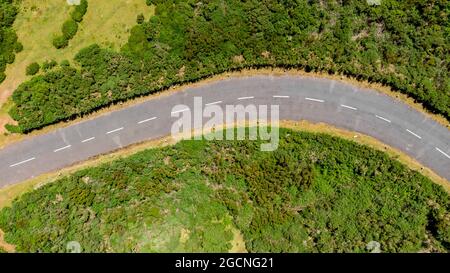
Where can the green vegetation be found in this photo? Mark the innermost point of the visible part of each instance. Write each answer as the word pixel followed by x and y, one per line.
pixel 38 21
pixel 32 69
pixel 316 193
pixel 48 65
pixel 8 38
pixel 70 26
pixel 404 44
pixel 79 11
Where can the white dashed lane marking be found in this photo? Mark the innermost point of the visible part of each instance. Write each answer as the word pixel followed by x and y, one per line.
pixel 349 107
pixel 316 100
pixel 212 103
pixel 382 118
pixel 22 162
pixel 414 134
pixel 62 148
pixel 146 120
pixel 281 97
pixel 219 102
pixel 115 130
pixel 88 139
pixel 246 98
pixel 179 111
pixel 442 152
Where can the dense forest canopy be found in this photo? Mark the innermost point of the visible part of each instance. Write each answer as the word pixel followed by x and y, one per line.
pixel 8 38
pixel 315 193
pixel 404 44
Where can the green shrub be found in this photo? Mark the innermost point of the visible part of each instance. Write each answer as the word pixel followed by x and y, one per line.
pixel 140 18
pixel 69 29
pixel 79 11
pixel 13 129
pixel 2 76
pixel 18 47
pixel 32 69
pixel 47 65
pixel 8 38
pixel 60 42
pixel 65 63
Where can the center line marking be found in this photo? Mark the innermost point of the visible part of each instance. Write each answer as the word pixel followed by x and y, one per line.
pixel 349 107
pixel 281 97
pixel 316 100
pixel 442 152
pixel 212 103
pixel 88 139
pixel 385 119
pixel 22 162
pixel 179 111
pixel 62 148
pixel 146 120
pixel 414 134
pixel 245 98
pixel 115 130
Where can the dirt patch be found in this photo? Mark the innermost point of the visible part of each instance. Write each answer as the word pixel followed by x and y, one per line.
pixel 238 243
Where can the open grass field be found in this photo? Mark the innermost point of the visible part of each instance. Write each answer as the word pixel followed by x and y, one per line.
pixel 106 23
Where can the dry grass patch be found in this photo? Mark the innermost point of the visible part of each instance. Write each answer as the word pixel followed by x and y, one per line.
pixel 4 245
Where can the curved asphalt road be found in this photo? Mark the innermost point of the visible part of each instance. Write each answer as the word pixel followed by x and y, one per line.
pixel 317 100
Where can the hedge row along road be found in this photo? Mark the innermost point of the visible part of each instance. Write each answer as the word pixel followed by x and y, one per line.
pixel 313 99
pixel 401 44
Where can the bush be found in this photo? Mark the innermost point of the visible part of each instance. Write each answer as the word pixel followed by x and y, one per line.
pixel 8 38
pixel 60 42
pixel 47 65
pixel 69 29
pixel 2 76
pixel 79 11
pixel 18 47
pixel 140 18
pixel 65 63
pixel 13 129
pixel 32 69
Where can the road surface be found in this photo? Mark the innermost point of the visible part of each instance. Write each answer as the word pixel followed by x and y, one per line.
pixel 299 98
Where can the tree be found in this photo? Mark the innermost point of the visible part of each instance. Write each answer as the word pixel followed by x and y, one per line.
pixel 32 69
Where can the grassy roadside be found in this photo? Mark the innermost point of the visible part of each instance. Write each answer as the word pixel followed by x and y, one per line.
pixel 9 193
pixel 8 139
